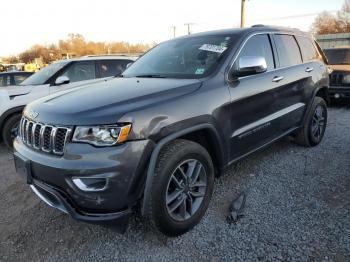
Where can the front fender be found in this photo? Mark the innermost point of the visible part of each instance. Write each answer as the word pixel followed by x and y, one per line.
pixel 155 154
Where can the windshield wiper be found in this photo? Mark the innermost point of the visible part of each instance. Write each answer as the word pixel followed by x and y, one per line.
pixel 151 76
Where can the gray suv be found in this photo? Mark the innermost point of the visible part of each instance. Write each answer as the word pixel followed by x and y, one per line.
pixel 155 137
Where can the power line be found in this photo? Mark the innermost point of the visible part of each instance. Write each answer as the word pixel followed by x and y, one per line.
pixel 294 16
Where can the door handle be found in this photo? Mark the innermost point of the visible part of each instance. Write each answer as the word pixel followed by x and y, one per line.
pixel 309 69
pixel 277 78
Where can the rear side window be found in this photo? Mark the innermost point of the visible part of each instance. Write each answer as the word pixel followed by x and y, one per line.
pixel 81 71
pixel 308 49
pixel 112 67
pixel 259 45
pixel 19 78
pixel 288 50
pixel 5 80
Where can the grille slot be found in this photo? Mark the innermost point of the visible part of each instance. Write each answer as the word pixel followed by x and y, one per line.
pixel 336 79
pixel 49 139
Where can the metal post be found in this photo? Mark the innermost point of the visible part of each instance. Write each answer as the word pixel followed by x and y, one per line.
pixel 188 27
pixel 242 13
pixel 174 30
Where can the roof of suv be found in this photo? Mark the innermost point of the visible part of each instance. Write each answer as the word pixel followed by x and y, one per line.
pixel 253 29
pixel 16 73
pixel 104 57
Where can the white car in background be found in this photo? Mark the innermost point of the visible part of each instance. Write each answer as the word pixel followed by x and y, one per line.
pixel 59 76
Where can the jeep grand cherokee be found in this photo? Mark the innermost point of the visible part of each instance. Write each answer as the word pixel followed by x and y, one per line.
pixel 156 136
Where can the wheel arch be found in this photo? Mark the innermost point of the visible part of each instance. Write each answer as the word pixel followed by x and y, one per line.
pixel 7 114
pixel 204 134
pixel 318 92
pixel 323 92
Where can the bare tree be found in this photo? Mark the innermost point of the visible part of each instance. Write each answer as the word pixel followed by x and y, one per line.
pixel 326 23
pixel 77 45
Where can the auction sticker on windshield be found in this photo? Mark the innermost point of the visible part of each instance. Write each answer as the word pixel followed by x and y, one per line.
pixel 199 71
pixel 213 48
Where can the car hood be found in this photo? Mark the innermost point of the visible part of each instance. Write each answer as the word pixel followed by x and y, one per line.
pixel 106 102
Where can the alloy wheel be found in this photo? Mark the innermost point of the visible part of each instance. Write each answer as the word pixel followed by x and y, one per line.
pixel 14 131
pixel 318 123
pixel 186 190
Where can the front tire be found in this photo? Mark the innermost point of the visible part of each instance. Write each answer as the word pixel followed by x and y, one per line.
pixel 312 132
pixel 10 130
pixel 182 187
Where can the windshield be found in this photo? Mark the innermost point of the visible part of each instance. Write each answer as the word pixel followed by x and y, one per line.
pixel 40 77
pixel 192 57
pixel 338 56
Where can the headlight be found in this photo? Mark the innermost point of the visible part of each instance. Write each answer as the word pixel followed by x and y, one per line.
pixel 102 135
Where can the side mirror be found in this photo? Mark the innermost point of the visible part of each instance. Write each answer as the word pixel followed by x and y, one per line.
pixel 129 64
pixel 250 65
pixel 61 80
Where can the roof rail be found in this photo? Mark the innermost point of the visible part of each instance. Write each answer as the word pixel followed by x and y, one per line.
pixel 116 54
pixel 258 25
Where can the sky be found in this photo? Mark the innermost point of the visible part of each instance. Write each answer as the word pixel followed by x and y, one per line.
pixel 25 23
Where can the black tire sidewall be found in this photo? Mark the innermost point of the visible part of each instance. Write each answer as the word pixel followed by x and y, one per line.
pixel 163 220
pixel 6 132
pixel 317 102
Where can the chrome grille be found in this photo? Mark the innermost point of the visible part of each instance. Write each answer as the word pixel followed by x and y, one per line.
pixel 47 138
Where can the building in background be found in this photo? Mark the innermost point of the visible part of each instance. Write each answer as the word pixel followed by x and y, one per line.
pixel 333 40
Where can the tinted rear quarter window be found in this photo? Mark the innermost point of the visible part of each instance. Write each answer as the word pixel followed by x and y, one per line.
pixel 338 56
pixel 308 49
pixel 5 80
pixel 259 45
pixel 112 67
pixel 19 78
pixel 288 50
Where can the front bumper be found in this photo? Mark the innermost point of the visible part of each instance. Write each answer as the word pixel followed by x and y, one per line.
pixel 339 92
pixel 123 166
pixel 54 198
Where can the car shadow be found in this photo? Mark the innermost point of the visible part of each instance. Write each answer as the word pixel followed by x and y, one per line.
pixel 341 104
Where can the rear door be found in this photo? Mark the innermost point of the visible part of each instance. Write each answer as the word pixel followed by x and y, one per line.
pixel 297 80
pixel 315 69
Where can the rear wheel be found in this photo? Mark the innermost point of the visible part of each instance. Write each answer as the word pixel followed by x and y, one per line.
pixel 182 187
pixel 311 134
pixel 10 130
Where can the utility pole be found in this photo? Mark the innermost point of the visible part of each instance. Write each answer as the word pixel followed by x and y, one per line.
pixel 188 27
pixel 242 13
pixel 174 30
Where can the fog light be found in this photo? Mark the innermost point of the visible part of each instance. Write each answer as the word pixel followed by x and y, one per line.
pixel 90 184
pixel 337 96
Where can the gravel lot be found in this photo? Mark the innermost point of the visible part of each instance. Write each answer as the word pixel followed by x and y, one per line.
pixel 297 209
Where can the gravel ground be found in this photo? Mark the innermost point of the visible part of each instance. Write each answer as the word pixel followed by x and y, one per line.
pixel 297 209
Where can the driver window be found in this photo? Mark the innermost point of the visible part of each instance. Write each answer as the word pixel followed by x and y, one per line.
pixel 80 71
pixel 259 45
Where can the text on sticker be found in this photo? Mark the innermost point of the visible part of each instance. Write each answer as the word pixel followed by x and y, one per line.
pixel 213 48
